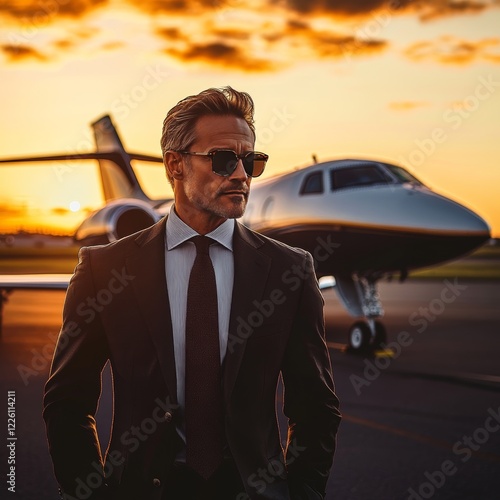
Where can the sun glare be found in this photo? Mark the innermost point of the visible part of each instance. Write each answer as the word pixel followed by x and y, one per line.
pixel 74 206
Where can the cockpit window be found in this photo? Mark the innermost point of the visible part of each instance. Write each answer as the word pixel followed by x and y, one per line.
pixel 403 175
pixel 363 175
pixel 313 184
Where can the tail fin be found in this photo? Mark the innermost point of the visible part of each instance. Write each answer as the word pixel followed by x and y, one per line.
pixel 118 177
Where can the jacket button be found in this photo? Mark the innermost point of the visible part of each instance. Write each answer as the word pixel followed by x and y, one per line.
pixel 156 482
pixel 168 416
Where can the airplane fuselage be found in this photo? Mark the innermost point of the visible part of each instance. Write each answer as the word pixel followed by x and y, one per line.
pixel 364 217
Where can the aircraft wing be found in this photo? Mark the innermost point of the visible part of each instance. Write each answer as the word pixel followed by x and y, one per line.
pixel 34 281
pixel 11 282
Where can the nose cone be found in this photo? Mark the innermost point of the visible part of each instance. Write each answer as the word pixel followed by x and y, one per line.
pixel 438 213
pixel 448 230
pixel 410 227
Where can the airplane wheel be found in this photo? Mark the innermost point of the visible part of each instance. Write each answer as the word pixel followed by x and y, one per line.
pixel 359 336
pixel 380 334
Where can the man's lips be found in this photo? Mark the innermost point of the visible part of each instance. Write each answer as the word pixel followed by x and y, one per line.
pixel 235 192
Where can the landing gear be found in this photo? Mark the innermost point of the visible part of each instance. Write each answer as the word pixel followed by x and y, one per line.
pixel 366 336
pixel 370 334
pixel 359 336
pixel 359 296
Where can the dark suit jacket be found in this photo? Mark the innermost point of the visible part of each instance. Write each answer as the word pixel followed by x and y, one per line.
pixel 117 308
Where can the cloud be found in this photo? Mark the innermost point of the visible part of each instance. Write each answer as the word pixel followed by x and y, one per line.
pixel 59 211
pixel 331 45
pixel 17 53
pixel 302 38
pixel 436 9
pixel 171 33
pixel 451 50
pixel 407 105
pixel 426 9
pixel 341 7
pixel 165 6
pixel 216 46
pixel 40 12
pixel 221 54
pixel 112 45
pixel 63 44
pixel 12 210
pixel 263 35
pixel 262 44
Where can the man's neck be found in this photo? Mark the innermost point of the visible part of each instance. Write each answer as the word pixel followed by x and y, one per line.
pixel 202 223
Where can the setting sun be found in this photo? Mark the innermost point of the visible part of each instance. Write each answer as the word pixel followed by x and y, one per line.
pixel 74 206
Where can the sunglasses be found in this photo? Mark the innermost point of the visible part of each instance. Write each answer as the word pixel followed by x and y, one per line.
pixel 225 161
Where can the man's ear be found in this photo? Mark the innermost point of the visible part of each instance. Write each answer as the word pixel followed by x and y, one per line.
pixel 174 164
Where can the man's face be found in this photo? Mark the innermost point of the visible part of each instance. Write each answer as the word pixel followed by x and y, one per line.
pixel 203 195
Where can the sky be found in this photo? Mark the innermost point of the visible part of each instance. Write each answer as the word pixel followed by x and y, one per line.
pixel 412 83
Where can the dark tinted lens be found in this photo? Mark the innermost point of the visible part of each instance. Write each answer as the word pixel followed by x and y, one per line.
pixel 254 164
pixel 249 164
pixel 224 162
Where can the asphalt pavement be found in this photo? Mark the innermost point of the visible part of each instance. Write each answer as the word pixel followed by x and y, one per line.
pixel 421 418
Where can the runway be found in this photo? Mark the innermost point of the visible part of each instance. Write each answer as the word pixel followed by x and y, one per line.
pixel 422 423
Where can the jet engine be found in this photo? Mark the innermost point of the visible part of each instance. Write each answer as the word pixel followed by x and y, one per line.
pixel 117 219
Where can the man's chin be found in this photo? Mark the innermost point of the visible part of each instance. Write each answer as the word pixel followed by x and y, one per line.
pixel 235 211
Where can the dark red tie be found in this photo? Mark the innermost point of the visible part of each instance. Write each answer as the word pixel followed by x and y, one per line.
pixel 203 392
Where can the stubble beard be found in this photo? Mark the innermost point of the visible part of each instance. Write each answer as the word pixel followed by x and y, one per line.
pixel 212 204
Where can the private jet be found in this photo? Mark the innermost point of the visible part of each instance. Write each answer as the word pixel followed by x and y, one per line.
pixel 362 220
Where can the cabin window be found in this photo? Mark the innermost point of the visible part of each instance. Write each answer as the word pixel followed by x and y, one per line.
pixel 313 183
pixel 363 175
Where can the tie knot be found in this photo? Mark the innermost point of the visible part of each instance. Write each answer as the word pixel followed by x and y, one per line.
pixel 202 243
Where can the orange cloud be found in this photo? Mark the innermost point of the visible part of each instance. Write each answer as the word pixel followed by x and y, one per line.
pixel 433 10
pixel 407 105
pixel 12 210
pixel 16 53
pixel 301 37
pixel 64 44
pixel 341 7
pixel 166 6
pixel 38 12
pixel 450 50
pixel 112 45
pixel 221 54
pixel 60 211
pixel 426 9
pixel 331 45
pixel 279 43
pixel 222 47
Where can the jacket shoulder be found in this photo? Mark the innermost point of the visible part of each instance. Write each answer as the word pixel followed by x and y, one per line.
pixel 128 243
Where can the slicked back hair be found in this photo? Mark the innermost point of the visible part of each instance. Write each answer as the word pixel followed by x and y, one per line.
pixel 179 125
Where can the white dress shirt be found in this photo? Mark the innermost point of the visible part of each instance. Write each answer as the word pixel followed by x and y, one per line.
pixel 179 258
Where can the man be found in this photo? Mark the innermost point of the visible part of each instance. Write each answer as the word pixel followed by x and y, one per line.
pixel 203 317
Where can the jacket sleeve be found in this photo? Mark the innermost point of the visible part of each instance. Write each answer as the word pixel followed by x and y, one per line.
pixel 310 401
pixel 73 389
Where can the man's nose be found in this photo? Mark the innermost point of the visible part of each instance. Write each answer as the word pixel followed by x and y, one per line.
pixel 239 172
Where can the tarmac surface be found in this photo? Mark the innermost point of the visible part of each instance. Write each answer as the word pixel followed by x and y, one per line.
pixel 421 420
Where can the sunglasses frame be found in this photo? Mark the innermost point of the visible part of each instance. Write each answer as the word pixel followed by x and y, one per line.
pixel 242 156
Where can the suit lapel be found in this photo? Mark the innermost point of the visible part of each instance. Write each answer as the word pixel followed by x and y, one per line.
pixel 150 287
pixel 251 270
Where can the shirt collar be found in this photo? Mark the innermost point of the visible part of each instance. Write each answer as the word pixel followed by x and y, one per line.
pixel 179 232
